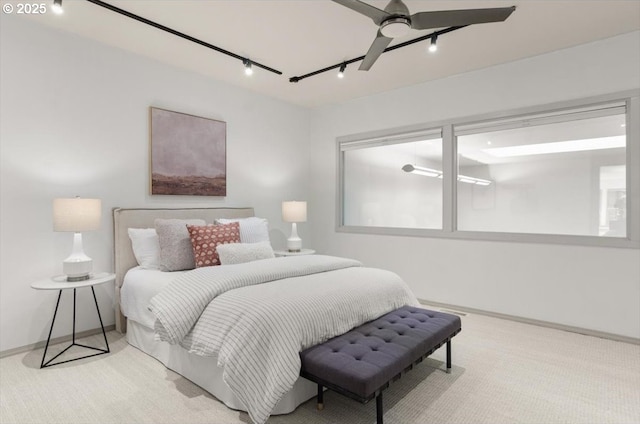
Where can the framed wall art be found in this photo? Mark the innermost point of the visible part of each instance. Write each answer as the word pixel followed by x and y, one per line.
pixel 188 154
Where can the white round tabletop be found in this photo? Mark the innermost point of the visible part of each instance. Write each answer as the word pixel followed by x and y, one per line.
pixel 60 282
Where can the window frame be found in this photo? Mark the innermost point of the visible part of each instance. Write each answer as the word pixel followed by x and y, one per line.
pixel 449 230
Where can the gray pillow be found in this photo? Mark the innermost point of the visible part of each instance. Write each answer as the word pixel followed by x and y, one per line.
pixel 176 252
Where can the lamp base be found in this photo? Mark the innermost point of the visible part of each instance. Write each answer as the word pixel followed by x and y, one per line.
pixel 77 270
pixel 294 243
pixel 76 279
pixel 77 266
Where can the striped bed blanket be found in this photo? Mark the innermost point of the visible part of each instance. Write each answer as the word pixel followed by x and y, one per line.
pixel 258 316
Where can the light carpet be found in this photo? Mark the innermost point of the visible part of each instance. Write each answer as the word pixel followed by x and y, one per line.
pixel 503 372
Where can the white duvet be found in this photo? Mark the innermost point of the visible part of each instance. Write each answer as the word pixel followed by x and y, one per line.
pixel 258 316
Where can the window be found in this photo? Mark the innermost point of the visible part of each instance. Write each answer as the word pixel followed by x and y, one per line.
pixel 556 174
pixel 551 174
pixel 379 193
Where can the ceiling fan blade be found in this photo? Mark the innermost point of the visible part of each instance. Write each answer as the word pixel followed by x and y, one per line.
pixel 449 18
pixel 374 13
pixel 377 48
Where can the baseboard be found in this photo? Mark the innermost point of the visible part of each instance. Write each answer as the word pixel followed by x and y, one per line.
pixel 57 340
pixel 604 335
pixel 447 306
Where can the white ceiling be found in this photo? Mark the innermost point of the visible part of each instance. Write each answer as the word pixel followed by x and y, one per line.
pixel 298 37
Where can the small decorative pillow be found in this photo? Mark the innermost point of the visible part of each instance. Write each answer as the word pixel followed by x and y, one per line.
pixel 238 253
pixel 176 253
pixel 206 239
pixel 146 247
pixel 252 230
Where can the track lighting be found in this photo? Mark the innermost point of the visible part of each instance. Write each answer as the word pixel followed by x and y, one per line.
pixel 248 70
pixel 433 36
pixel 433 47
pixel 341 71
pixel 57 7
pixel 112 8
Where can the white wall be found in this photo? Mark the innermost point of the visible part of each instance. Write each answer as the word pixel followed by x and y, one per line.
pixel 74 121
pixel 588 287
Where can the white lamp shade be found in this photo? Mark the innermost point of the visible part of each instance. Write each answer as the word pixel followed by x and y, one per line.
pixel 294 211
pixel 76 215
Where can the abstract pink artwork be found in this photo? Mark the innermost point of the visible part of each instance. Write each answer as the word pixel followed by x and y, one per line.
pixel 188 154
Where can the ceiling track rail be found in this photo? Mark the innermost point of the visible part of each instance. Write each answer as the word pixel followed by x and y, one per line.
pixel 388 49
pixel 123 12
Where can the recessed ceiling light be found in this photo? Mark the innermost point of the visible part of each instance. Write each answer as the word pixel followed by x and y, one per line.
pixel 559 147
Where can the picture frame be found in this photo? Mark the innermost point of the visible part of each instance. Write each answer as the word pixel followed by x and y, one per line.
pixel 187 154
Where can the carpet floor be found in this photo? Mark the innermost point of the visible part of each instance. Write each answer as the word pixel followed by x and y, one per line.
pixel 503 372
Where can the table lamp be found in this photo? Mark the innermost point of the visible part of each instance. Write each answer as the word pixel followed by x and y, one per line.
pixel 294 212
pixel 77 215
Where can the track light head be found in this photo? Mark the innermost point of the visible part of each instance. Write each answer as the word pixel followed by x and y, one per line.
pixel 433 47
pixel 248 70
pixel 341 71
pixel 57 7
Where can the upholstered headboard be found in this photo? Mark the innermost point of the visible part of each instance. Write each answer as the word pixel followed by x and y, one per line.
pixel 124 218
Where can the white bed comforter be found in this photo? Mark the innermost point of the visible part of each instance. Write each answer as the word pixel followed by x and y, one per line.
pixel 257 329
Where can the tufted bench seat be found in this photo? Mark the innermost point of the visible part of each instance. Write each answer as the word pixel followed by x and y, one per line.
pixel 362 362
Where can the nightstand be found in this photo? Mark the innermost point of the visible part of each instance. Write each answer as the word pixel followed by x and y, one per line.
pixel 60 283
pixel 287 253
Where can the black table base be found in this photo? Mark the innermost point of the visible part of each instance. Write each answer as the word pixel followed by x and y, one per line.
pixel 99 351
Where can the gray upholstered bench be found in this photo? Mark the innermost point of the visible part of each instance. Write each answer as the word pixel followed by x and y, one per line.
pixel 362 362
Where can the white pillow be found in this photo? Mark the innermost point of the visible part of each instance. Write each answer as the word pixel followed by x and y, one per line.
pixel 146 247
pixel 252 230
pixel 238 253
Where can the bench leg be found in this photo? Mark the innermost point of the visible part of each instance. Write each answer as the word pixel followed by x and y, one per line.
pixel 320 404
pixel 379 409
pixel 449 356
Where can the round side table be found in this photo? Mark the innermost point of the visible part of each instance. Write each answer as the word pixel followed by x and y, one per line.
pixel 60 283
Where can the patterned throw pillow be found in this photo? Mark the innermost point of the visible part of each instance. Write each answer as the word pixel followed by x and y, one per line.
pixel 206 238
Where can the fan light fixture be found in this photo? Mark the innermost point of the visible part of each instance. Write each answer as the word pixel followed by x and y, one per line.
pixel 428 172
pixel 395 27
pixel 395 21
pixel 57 7
pixel 341 71
pixel 433 47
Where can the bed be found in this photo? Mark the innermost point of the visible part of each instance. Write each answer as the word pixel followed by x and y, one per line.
pixel 212 369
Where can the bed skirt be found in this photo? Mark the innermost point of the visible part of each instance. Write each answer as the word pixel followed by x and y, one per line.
pixel 204 371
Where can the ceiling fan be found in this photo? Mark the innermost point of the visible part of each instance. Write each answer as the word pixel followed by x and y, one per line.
pixel 395 21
